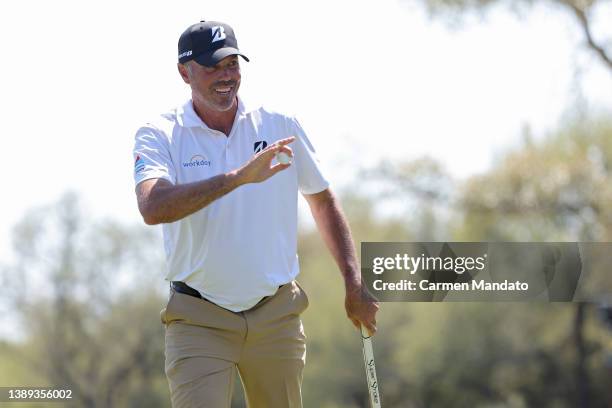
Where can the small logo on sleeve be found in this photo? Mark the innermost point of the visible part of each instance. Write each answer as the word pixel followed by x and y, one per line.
pixel 197 161
pixel 259 146
pixel 139 164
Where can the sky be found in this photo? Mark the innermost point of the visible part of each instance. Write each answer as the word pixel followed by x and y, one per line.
pixel 370 81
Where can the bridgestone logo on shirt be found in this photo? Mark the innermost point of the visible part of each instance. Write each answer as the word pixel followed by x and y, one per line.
pixel 259 146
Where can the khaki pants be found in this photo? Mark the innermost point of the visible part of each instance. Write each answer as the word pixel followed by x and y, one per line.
pixel 205 344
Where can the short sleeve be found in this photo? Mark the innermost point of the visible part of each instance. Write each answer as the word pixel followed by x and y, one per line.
pixel 311 179
pixel 152 156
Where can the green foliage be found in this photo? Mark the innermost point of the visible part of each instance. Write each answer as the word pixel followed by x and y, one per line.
pixel 83 330
pixel 558 189
pixel 509 355
pixel 87 331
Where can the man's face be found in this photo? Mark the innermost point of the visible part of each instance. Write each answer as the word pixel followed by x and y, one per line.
pixel 214 87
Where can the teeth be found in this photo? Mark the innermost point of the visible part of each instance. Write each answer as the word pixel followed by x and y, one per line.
pixel 223 89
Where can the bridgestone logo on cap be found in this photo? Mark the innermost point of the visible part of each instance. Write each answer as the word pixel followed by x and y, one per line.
pixel 186 54
pixel 218 33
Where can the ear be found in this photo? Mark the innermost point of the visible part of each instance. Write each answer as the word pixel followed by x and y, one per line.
pixel 184 72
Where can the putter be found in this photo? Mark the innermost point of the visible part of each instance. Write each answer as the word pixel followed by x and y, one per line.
pixel 370 368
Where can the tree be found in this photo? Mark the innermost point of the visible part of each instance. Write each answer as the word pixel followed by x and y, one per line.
pixel 556 189
pixel 559 189
pixel 582 10
pixel 85 295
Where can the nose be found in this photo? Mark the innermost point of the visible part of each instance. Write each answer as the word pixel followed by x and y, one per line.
pixel 225 73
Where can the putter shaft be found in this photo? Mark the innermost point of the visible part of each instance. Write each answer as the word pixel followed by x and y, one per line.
pixel 370 368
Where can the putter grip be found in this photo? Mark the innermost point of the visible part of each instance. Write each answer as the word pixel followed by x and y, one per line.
pixel 370 368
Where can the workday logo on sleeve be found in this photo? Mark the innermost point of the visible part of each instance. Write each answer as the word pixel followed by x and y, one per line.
pixel 197 160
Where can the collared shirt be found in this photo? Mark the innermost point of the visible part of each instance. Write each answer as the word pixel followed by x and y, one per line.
pixel 242 246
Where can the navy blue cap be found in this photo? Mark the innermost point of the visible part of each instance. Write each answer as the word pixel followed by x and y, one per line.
pixel 207 42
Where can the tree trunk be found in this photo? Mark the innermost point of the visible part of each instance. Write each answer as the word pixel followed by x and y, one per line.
pixel 582 375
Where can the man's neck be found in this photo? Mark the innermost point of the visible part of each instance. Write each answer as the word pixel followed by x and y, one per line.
pixel 221 121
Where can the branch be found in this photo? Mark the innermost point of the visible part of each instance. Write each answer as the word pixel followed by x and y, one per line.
pixel 586 27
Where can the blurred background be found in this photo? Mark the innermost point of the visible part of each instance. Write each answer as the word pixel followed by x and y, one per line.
pixel 438 120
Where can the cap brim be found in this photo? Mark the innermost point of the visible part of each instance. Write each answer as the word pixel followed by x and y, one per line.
pixel 210 59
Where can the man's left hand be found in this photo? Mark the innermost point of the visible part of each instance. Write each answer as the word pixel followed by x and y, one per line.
pixel 361 308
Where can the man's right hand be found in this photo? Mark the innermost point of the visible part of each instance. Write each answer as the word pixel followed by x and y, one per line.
pixel 260 167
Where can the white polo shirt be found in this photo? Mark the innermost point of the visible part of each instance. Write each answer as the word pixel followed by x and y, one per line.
pixel 242 246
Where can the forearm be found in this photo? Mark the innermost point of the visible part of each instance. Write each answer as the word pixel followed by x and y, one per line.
pixel 161 202
pixel 336 233
pixel 168 203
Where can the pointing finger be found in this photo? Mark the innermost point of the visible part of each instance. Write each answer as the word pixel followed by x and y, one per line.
pixel 285 141
pixel 275 148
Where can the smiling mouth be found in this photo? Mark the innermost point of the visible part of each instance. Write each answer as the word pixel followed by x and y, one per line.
pixel 224 91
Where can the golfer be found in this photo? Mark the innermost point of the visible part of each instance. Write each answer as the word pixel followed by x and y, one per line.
pixel 211 173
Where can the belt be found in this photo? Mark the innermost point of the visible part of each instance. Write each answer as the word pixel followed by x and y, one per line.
pixel 182 287
pixel 185 289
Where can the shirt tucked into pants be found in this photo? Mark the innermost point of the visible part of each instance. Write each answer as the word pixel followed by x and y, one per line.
pixel 206 344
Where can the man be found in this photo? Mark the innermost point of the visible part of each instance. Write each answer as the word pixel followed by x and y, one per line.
pixel 208 171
